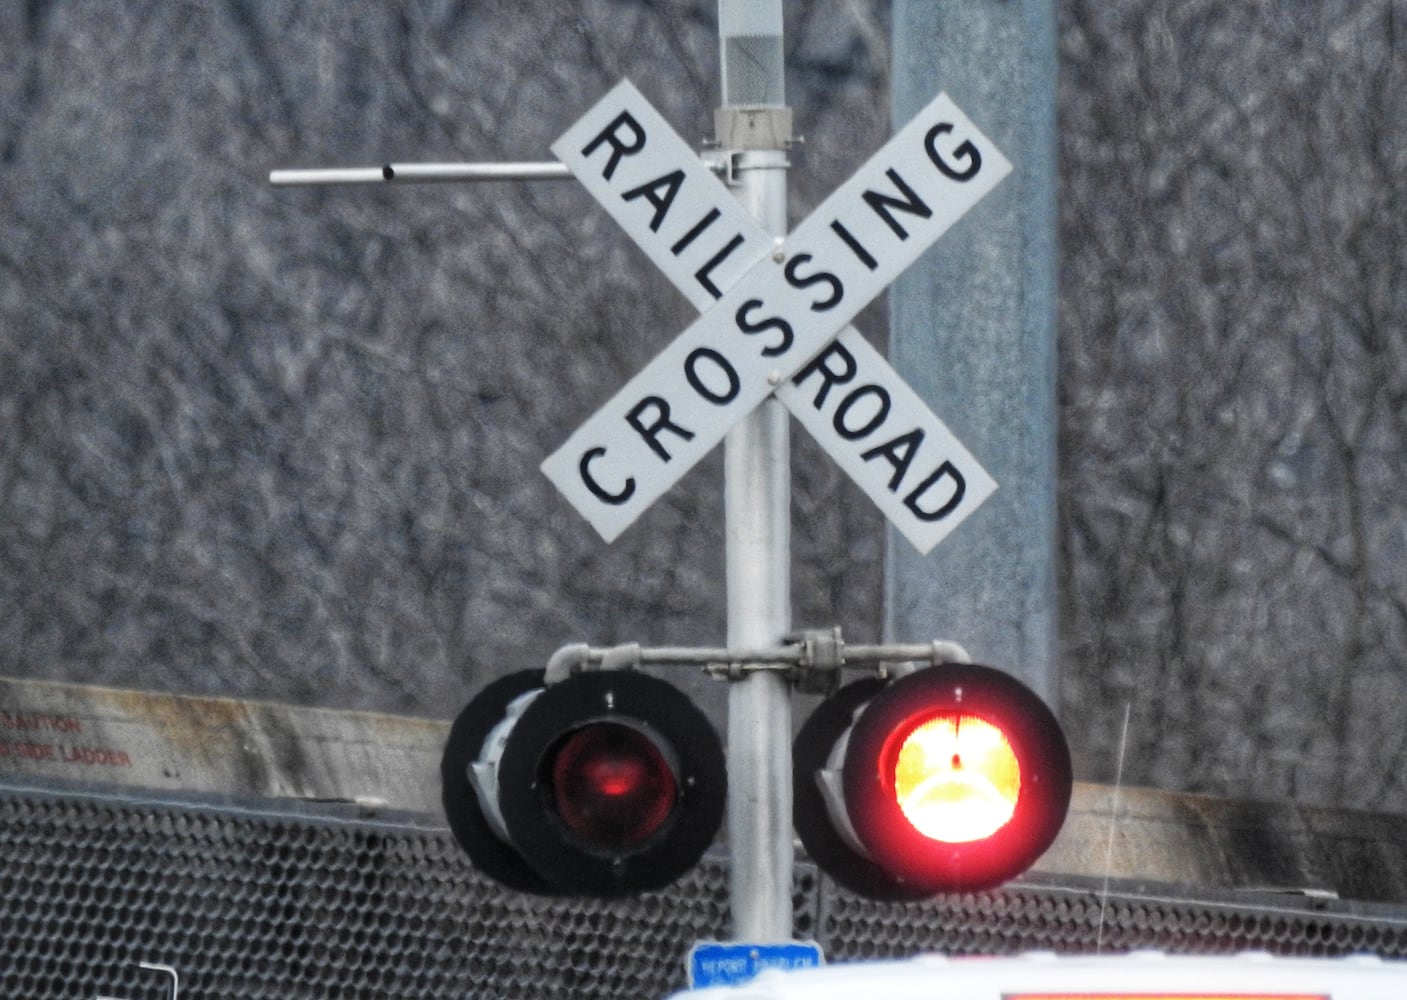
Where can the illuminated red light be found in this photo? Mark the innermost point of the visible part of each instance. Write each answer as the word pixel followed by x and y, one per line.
pixel 611 785
pixel 956 778
pixel 950 778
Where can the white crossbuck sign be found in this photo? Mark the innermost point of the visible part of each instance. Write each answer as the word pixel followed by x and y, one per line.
pixel 774 318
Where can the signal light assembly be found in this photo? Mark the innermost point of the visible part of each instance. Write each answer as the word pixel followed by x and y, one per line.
pixel 953 778
pixel 592 779
pixel 604 784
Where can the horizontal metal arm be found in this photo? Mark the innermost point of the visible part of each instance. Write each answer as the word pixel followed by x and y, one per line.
pixel 421 173
pixel 816 657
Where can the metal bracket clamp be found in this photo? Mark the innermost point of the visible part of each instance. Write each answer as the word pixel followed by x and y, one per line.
pixel 578 656
pixel 738 664
pixel 749 138
pixel 753 127
pixel 811 659
pixel 822 657
pixel 728 164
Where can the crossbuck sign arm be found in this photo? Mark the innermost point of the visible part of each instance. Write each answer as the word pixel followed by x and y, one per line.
pixel 775 317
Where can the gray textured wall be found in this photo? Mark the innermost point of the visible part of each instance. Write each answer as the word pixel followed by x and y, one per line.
pixel 285 444
pixel 1233 393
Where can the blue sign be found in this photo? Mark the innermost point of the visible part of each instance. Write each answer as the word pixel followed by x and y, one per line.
pixel 714 963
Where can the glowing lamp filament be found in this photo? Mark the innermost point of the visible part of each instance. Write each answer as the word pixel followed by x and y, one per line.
pixel 957 779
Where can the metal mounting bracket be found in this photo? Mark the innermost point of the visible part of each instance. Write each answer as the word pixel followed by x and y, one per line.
pixel 812 659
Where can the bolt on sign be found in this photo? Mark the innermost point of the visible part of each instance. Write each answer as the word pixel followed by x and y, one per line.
pixel 774 317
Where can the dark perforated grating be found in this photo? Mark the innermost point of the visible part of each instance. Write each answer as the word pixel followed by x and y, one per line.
pixel 320 902
pixel 1033 918
pixel 247 905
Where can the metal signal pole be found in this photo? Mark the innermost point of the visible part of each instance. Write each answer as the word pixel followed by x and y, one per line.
pixel 753 130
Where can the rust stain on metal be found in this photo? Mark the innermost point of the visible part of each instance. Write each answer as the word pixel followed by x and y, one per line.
pixel 193 727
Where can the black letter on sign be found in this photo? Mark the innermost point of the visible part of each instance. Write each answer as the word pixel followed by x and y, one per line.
pixel 591 484
pixel 852 434
pixel 798 282
pixel 882 203
pixel 966 150
pixel 618 149
pixel 959 488
pixel 661 200
pixel 702 274
pixel 856 247
pixel 898 453
pixel 662 423
pixel 729 373
pixel 829 376
pixel 692 234
pixel 748 325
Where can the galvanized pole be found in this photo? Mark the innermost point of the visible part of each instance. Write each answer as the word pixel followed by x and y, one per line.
pixel 753 130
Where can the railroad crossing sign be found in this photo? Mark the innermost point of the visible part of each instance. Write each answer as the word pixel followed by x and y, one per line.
pixel 775 317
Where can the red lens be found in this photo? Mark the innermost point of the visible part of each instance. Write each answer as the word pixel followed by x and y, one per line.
pixel 956 778
pixel 612 786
